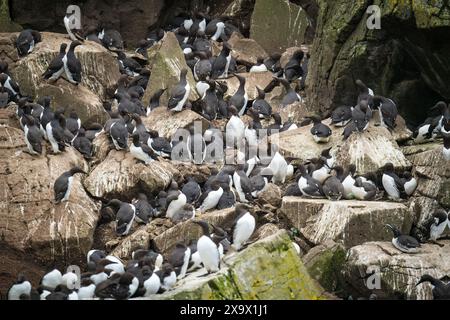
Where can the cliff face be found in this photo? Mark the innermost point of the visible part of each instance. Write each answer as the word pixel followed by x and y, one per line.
pixel 407 59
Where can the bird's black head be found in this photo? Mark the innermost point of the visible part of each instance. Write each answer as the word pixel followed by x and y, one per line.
pixel 204 225
pixel 388 167
pixel 394 229
pixel 298 55
pixel 426 278
pixel 326 153
pixel 77 169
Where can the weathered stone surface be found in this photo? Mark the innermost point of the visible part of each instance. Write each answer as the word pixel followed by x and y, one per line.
pixel 121 174
pixel 433 171
pixel 140 239
pixel 186 231
pixel 287 54
pixel 101 146
pixel 398 272
pixel 30 220
pixel 167 122
pixel 324 263
pixel 284 27
pixel 271 195
pixel 265 231
pixel 46 15
pixel 351 222
pixel 252 79
pixel 245 50
pixel 343 45
pixel 100 73
pixel 247 275
pixel 166 61
pixel 369 150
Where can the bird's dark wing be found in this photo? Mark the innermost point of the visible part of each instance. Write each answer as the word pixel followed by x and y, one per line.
pixel 74 66
pixel 409 241
pixel 162 144
pixel 55 65
pixel 60 187
pixel 176 95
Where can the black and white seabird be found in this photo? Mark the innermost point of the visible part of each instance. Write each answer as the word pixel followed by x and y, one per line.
pixel 160 145
pixel 392 184
pixel 167 276
pixel 95 255
pixel 203 67
pixel 259 66
pixel 364 93
pixel 144 210
pixel 26 41
pixel 333 188
pixel 128 65
pixel 51 280
pixel 403 242
pixel 175 200
pixel 151 284
pixel 242 184
pixel 20 289
pixel 125 215
pixel 111 39
pixel 321 170
pixel 293 69
pixel 348 181
pixel 437 224
pixel 341 116
pixel 154 101
pixel 119 134
pixel 291 95
pixel 179 259
pixel 273 63
pixel 234 129
pixel 33 135
pixel 446 148
pixel 243 227
pixel 179 93
pixel 280 168
pixel 192 190
pixel 215 29
pixel 185 213
pixel 240 98
pixel 210 102
pixel 207 249
pixel 73 123
pixel 260 105
pixel 83 144
pixel 260 181
pixel 221 64
pixel 320 131
pixel 409 183
pixel 387 110
pixel 63 184
pixel 72 66
pixel 309 186
pixel 210 198
pixel 228 198
pixel 141 151
pixel 440 287
pixel 364 190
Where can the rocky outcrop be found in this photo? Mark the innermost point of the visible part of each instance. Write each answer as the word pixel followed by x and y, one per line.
pixel 369 150
pixel 325 262
pixel 284 27
pixel 167 123
pixel 131 18
pixel 433 171
pixel 245 50
pixel 252 79
pixel 30 221
pixel 100 73
pixel 394 60
pixel 166 61
pixel 247 275
pixel 121 174
pixel 186 231
pixel 394 274
pixel 351 222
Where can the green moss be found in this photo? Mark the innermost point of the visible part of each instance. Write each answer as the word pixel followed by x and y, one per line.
pixel 6 25
pixel 327 269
